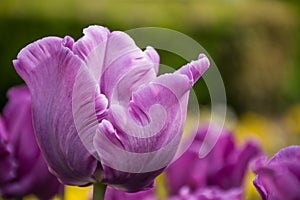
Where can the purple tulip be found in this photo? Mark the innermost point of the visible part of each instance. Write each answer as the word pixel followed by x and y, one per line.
pixel 7 162
pixel 279 178
pixel 23 170
pixel 211 193
pixel 115 194
pixel 224 167
pixel 99 110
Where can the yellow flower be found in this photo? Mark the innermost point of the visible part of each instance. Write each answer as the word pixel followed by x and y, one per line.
pixel 78 193
pixel 260 128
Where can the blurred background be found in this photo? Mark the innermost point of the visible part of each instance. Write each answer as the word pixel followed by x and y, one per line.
pixel 255 44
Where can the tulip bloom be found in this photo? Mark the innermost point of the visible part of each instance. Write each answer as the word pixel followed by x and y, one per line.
pixel 279 178
pixel 23 170
pixel 212 193
pixel 99 110
pixel 223 168
pixel 8 165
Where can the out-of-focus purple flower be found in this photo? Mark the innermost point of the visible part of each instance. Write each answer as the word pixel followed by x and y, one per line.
pixel 279 178
pixel 211 193
pixel 115 194
pixel 7 162
pixel 23 170
pixel 100 97
pixel 184 194
pixel 224 167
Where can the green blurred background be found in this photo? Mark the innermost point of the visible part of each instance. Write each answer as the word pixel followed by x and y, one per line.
pixel 255 44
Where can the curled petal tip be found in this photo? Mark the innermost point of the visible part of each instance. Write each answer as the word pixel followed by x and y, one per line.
pixel 202 64
pixel 195 69
pixel 101 104
pixel 154 57
pixel 201 55
pixel 94 29
pixel 68 42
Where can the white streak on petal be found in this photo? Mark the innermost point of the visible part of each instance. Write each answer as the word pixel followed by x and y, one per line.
pixel 84 107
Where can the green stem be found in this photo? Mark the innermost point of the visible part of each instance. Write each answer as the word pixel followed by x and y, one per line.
pixel 99 191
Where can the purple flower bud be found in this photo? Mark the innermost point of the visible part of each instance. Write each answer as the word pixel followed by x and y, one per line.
pixel 23 170
pixel 211 193
pixel 99 110
pixel 279 178
pixel 7 162
pixel 224 167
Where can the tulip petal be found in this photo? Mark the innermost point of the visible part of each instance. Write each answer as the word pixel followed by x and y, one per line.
pixel 122 56
pixel 127 170
pixel 236 166
pixel 8 165
pixel 18 120
pixel 30 172
pixel 49 68
pixel 279 178
pixel 93 37
pixel 209 193
pixel 92 49
pixel 291 153
pixel 104 52
pixel 37 181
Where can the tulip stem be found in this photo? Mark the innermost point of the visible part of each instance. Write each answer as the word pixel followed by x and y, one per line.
pixel 99 191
